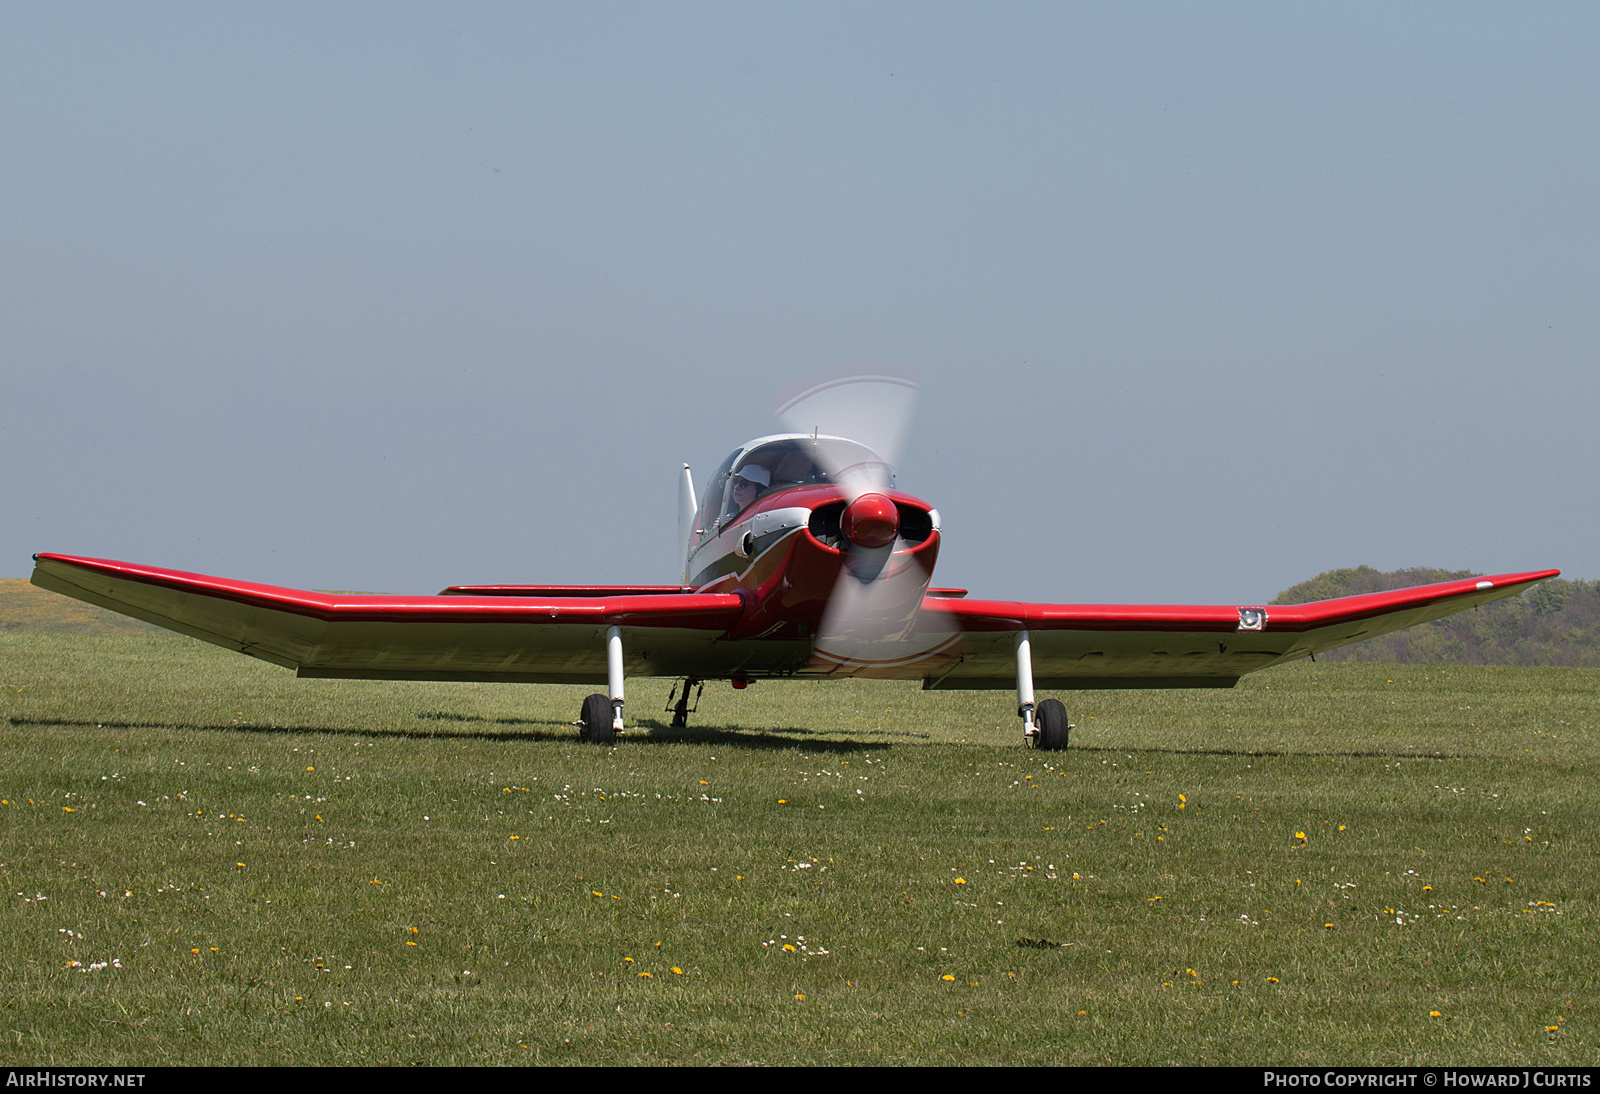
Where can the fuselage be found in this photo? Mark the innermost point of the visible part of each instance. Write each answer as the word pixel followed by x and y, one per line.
pixel 825 510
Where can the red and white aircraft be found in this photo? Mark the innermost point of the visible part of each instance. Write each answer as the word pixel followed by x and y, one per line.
pixel 800 559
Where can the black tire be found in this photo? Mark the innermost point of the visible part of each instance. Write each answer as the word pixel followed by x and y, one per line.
pixel 595 722
pixel 1050 717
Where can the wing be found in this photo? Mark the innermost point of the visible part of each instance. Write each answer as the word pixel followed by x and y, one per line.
pixel 1176 646
pixel 557 636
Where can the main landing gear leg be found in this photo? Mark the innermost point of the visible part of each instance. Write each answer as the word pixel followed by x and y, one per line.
pixel 614 675
pixel 1025 687
pixel 601 719
pixel 1044 725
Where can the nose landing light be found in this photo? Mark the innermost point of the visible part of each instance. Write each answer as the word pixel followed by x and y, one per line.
pixel 871 520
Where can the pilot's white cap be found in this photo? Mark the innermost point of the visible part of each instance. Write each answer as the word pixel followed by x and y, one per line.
pixel 755 473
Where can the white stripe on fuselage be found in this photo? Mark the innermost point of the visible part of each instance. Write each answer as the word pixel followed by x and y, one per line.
pixel 728 541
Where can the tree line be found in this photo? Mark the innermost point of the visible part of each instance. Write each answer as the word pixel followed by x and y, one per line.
pixel 1557 622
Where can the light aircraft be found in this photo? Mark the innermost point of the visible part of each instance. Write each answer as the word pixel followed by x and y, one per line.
pixel 801 558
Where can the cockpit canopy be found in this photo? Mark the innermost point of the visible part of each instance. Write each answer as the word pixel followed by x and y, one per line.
pixel 777 463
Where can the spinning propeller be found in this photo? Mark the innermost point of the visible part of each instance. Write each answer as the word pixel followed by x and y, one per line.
pixel 875 599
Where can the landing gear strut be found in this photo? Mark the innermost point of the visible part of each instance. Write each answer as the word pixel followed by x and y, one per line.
pixel 601 719
pixel 1044 725
pixel 1025 686
pixel 681 709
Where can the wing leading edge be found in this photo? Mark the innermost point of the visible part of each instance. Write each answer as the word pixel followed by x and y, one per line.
pixel 557 637
pixel 1080 646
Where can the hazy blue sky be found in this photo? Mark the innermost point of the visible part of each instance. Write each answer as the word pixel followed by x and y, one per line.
pixel 1206 298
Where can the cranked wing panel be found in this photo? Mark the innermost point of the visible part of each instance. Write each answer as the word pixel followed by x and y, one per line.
pixel 1139 646
pixel 544 639
pixel 264 622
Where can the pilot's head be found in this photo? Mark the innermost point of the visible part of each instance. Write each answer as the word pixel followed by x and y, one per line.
pixel 748 482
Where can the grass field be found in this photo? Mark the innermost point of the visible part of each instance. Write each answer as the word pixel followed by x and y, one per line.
pixel 211 862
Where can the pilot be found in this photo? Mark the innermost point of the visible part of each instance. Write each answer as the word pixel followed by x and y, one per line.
pixel 748 483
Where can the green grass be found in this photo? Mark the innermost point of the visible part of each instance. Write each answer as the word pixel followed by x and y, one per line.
pixel 1297 871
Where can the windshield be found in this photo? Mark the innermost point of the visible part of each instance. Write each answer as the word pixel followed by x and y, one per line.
pixel 802 461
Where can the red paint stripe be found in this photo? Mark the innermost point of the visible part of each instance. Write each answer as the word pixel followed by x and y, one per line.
pixel 1002 615
pixel 562 590
pixel 703 611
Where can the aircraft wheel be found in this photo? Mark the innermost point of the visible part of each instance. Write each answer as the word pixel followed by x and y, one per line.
pixel 1051 718
pixel 595 722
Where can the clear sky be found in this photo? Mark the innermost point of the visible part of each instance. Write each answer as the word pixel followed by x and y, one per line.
pixel 1206 298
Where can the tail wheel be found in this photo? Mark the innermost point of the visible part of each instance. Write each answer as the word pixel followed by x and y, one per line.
pixel 595 721
pixel 1051 718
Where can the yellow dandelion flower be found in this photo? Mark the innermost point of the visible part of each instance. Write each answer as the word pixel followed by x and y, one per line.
pixel 1272 980
pixel 961 881
pixel 947 976
pixel 677 971
pixel 1433 1014
pixel 788 947
pixel 645 976
pixel 800 996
